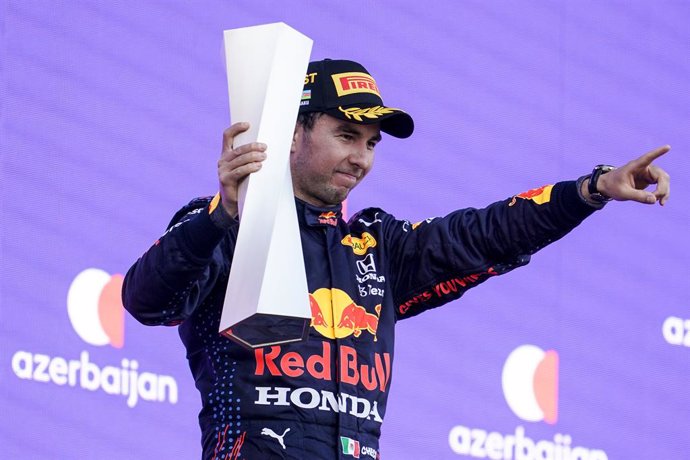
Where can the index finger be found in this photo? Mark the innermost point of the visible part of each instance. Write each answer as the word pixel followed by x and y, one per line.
pixel 649 157
pixel 230 133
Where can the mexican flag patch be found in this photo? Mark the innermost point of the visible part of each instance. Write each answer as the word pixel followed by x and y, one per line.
pixel 350 446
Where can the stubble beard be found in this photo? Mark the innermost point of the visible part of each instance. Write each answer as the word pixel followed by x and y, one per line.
pixel 322 191
pixel 316 189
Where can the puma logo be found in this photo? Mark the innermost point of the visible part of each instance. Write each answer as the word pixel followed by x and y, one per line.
pixel 369 224
pixel 271 433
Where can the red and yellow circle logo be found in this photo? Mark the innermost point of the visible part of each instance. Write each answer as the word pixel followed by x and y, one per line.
pixel 94 306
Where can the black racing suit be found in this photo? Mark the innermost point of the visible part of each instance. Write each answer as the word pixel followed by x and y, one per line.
pixel 326 397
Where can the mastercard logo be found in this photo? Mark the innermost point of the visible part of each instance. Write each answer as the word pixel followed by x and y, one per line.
pixel 530 383
pixel 94 306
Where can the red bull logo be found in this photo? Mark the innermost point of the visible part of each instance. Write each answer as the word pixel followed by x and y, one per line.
pixel 335 315
pixel 372 373
pixel 354 82
pixel 328 218
pixel 539 195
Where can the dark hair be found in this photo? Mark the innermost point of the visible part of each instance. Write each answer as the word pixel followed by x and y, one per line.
pixel 307 119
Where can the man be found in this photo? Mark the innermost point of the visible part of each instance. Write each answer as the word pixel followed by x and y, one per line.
pixel 326 397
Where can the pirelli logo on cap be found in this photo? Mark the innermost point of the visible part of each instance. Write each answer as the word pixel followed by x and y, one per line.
pixel 354 82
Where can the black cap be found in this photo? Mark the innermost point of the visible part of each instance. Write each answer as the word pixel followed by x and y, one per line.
pixel 345 90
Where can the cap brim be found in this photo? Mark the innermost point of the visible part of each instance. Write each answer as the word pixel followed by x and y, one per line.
pixel 394 122
pixel 399 124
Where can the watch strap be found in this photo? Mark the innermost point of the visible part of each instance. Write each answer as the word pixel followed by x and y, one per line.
pixel 594 193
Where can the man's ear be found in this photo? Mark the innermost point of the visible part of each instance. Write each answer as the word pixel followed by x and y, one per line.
pixel 295 138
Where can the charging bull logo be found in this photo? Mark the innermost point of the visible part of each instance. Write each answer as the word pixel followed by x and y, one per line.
pixel 335 315
pixel 539 195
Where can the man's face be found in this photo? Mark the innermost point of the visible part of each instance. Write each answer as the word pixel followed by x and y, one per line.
pixel 331 159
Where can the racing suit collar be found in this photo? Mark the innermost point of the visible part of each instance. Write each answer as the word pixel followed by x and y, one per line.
pixel 315 216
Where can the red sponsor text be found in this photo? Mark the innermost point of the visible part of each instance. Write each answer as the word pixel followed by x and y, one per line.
pixel 319 366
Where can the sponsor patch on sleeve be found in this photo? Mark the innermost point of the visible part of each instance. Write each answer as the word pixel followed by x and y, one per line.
pixel 539 195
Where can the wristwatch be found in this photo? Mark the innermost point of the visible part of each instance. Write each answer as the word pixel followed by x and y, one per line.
pixel 594 193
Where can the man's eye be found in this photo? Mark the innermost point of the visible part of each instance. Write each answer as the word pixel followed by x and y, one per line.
pixel 347 137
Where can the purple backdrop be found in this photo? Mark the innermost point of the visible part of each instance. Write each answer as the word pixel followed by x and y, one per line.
pixel 112 114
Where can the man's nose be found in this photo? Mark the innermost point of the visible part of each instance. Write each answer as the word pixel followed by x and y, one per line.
pixel 361 156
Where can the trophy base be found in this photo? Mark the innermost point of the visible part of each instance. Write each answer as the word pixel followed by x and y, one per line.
pixel 262 330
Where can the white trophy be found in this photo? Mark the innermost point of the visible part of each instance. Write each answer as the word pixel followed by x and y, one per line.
pixel 267 298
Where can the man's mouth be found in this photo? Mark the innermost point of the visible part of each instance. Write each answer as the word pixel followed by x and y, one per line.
pixel 348 177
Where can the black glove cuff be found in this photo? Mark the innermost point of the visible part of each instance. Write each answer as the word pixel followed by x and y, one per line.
pixel 592 203
pixel 219 216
